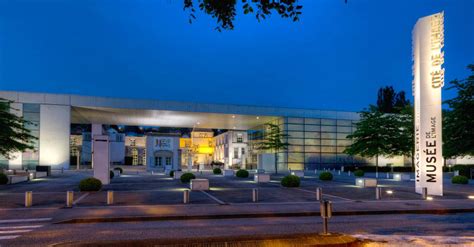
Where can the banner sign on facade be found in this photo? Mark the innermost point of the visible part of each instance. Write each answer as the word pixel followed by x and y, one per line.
pixel 428 79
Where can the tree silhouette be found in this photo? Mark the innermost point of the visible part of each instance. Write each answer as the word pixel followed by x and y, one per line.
pixel 14 136
pixel 224 11
pixel 389 101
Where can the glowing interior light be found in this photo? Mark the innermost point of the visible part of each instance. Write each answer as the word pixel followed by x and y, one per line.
pixel 389 192
pixel 258 117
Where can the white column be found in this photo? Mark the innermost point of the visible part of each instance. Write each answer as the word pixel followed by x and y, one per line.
pixel 100 158
pixel 55 130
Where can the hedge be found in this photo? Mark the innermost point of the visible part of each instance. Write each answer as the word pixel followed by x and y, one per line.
pixel 3 179
pixel 186 177
pixel 326 176
pixel 464 170
pixel 242 173
pixel 460 180
pixel 217 171
pixel 359 173
pixel 172 173
pixel 290 181
pixel 90 184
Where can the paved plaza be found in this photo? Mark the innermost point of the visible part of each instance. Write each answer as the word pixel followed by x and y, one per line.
pixel 138 187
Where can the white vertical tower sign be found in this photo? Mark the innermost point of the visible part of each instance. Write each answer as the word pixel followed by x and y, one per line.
pixel 428 79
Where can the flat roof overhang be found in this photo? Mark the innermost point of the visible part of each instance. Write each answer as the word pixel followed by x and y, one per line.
pixel 145 112
pixel 164 118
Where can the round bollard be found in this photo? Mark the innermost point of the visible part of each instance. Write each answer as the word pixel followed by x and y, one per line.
pixel 424 193
pixel 186 196
pixel 349 173
pixel 69 198
pixel 110 197
pixel 28 199
pixel 255 195
pixel 319 194
pixel 388 175
pixel 378 193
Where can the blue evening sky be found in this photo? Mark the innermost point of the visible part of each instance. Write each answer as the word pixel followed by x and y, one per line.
pixel 336 57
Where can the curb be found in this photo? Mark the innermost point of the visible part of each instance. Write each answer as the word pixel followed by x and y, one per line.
pixel 258 215
pixel 335 239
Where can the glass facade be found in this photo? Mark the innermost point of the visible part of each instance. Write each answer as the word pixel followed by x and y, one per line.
pixel 315 143
pixel 31 113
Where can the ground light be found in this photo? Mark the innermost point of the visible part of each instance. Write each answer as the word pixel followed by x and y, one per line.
pixel 429 198
pixel 470 197
pixel 389 192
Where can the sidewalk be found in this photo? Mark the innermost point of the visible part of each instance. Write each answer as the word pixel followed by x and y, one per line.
pixel 242 210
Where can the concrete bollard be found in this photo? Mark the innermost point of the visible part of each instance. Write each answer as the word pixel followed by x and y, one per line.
pixel 186 196
pixel 69 198
pixel 326 213
pixel 315 171
pixel 28 199
pixel 255 195
pixel 378 193
pixel 424 193
pixel 110 197
pixel 319 194
pixel 349 173
pixel 339 172
pixel 388 175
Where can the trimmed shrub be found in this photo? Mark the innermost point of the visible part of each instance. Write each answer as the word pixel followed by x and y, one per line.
pixel 186 177
pixel 90 184
pixel 326 176
pixel 290 181
pixel 358 173
pixel 119 169
pixel 464 170
pixel 217 171
pixel 3 179
pixel 242 173
pixel 460 180
pixel 111 174
pixel 172 173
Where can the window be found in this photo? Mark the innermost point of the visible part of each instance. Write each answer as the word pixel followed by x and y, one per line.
pixel 239 138
pixel 243 151
pixel 159 161
pixel 31 113
pixel 236 153
pixel 168 161
pixel 134 156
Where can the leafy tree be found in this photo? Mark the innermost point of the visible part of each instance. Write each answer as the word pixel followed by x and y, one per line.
pixel 273 141
pixel 459 122
pixel 14 137
pixel 404 145
pixel 388 101
pixel 376 134
pixel 224 11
